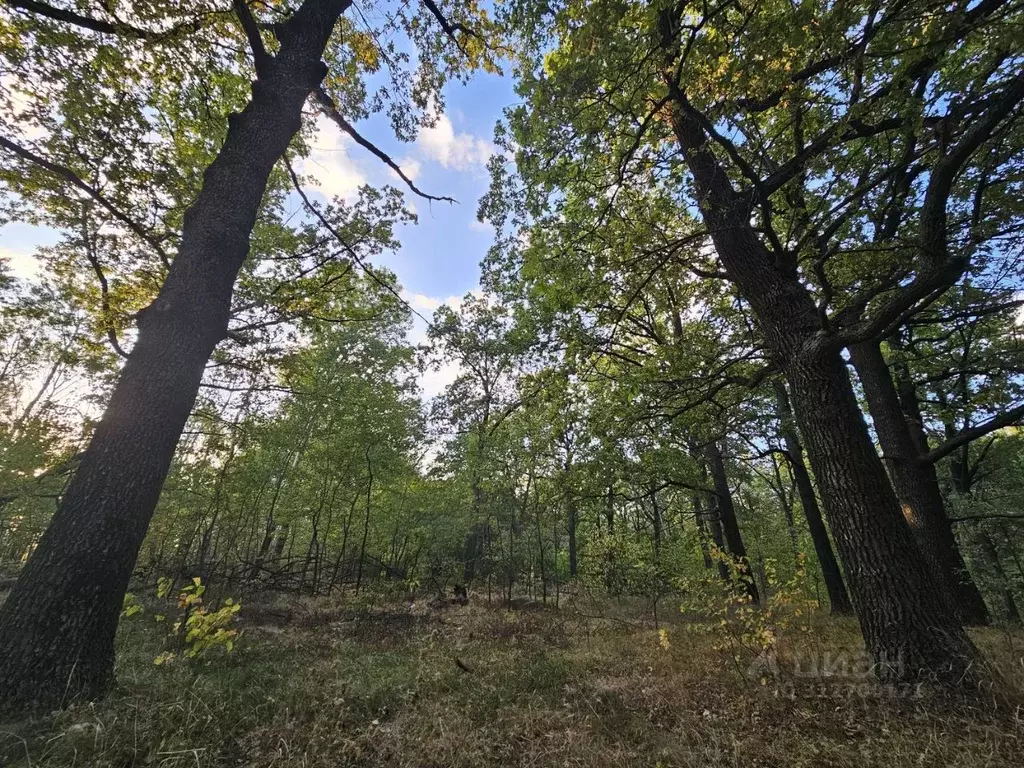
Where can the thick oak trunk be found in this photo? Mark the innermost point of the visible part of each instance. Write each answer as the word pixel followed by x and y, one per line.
pixel 57 627
pixel 908 630
pixel 907 626
pixel 916 485
pixel 838 597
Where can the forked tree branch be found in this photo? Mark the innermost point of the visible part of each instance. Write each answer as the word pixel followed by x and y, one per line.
pixel 260 56
pixel 98 25
pixel 75 180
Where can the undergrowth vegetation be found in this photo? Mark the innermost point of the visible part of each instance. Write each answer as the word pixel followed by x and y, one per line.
pixel 368 682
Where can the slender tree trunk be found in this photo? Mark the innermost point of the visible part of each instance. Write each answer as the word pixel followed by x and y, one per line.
pixel 727 518
pixel 657 524
pixel 344 543
pixel 908 630
pixel 573 523
pixel 838 597
pixel 786 501
pixel 916 485
pixel 715 524
pixel 702 530
pixel 366 520
pixel 962 478
pixel 57 627
pixel 609 509
pixel 990 556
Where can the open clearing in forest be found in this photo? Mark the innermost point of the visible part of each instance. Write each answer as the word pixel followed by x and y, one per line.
pixel 321 683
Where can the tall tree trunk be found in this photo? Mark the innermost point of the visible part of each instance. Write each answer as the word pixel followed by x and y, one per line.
pixel 786 500
pixel 702 530
pixel 907 627
pixel 838 597
pixel 57 627
pixel 609 508
pixel 916 485
pixel 727 518
pixel 366 520
pixel 657 523
pixel 990 557
pixel 573 523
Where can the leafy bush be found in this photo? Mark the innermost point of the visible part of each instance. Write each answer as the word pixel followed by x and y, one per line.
pixel 198 630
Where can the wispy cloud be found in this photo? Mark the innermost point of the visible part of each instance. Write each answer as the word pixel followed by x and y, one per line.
pixel 22 264
pixel 330 163
pixel 458 151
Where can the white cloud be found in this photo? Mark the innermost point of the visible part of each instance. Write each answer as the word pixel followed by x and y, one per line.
pixel 410 166
pixel 433 381
pixel 421 302
pixel 459 151
pixel 481 226
pixel 22 264
pixel 17 91
pixel 331 164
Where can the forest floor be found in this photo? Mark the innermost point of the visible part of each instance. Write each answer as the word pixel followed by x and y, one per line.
pixel 315 683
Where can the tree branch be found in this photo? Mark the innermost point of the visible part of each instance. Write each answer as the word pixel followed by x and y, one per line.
pixel 98 25
pixel 331 110
pixel 964 436
pixel 450 28
pixel 97 268
pixel 74 179
pixel 260 57
pixel 341 240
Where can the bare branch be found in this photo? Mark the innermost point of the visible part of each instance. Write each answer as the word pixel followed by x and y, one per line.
pixel 341 240
pixel 97 268
pixel 331 110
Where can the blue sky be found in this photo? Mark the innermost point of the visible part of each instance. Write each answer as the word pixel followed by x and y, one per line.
pixel 439 258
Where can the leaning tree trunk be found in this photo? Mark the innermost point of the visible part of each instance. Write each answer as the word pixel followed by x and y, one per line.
pixel 727 518
pixel 916 485
pixel 57 627
pixel 907 626
pixel 908 630
pixel 838 597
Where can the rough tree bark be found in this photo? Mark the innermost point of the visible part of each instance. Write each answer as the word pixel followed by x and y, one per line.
pixel 907 628
pixel 57 626
pixel 838 597
pixel 916 485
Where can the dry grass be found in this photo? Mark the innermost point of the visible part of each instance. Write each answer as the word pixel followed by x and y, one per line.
pixel 319 684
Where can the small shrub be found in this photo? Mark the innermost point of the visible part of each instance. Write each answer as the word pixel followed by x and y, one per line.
pixel 198 629
pixel 747 631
